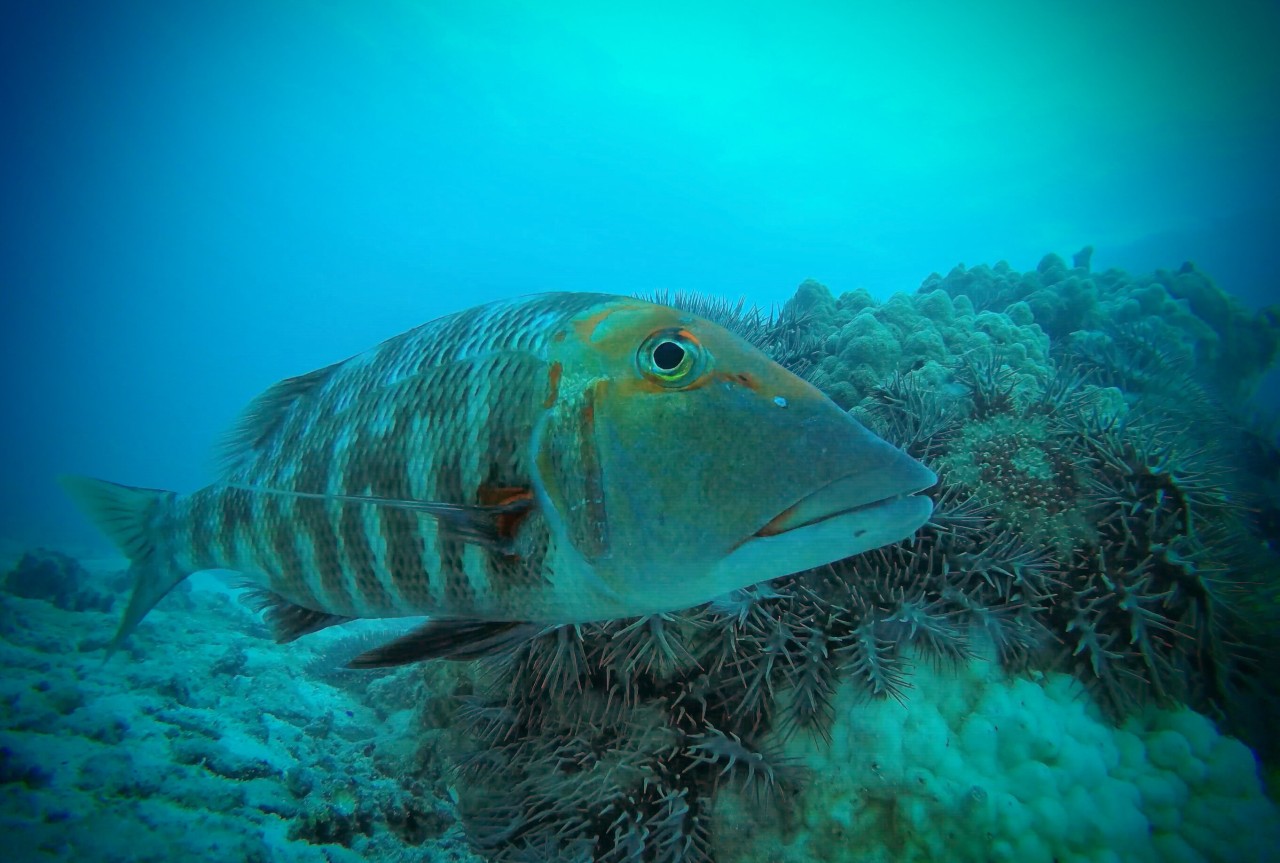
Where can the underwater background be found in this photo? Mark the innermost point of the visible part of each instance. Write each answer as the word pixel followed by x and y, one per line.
pixel 1029 243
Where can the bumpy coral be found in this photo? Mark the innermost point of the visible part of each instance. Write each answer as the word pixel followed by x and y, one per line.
pixel 859 344
pixel 971 765
pixel 1230 344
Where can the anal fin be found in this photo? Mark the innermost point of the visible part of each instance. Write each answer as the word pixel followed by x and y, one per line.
pixel 458 640
pixel 287 620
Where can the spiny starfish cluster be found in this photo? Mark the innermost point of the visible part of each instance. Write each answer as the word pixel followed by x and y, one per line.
pixel 1069 532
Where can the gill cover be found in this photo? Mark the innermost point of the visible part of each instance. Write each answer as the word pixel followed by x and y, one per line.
pixel 568 473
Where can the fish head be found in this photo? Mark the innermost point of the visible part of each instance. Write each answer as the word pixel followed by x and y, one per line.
pixel 681 462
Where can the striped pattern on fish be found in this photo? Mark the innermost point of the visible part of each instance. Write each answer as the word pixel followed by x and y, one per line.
pixel 550 459
pixel 442 412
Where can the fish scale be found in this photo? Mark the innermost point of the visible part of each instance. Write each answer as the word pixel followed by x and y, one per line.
pixel 557 458
pixel 443 409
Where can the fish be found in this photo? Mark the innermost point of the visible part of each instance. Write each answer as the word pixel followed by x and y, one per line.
pixel 552 459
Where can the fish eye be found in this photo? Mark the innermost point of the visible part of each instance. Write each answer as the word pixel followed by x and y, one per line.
pixel 671 357
pixel 668 356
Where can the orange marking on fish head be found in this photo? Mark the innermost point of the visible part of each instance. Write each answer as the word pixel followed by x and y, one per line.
pixel 553 384
pixel 589 408
pixel 739 379
pixel 616 342
pixel 588 329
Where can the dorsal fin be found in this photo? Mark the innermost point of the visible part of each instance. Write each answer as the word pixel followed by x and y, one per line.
pixel 264 416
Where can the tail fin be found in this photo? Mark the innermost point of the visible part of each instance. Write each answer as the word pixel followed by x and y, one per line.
pixel 127 515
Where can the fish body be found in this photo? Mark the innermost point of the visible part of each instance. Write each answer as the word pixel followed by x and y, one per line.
pixel 555 458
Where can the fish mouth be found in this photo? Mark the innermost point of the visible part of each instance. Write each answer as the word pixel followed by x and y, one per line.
pixel 862 495
pixel 865 509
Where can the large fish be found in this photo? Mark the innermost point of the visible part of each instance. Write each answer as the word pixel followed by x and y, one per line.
pixel 556 458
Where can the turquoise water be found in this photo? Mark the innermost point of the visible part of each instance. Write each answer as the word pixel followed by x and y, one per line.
pixel 1073 660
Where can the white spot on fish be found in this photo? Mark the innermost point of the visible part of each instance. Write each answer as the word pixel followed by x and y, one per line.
pixel 780 401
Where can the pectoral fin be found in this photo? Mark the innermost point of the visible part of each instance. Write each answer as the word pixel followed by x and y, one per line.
pixel 449 639
pixel 490 526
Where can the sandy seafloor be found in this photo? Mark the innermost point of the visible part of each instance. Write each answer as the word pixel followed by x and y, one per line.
pixel 205 740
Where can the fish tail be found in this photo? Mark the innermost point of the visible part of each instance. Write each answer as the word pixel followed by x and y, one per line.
pixel 130 517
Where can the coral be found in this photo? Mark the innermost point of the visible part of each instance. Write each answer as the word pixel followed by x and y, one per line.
pixel 348 814
pixel 17 769
pixel 1008 683
pixel 860 344
pixel 205 741
pixel 973 765
pixel 1231 346
pixel 57 578
pixel 1111 462
pixel 1088 521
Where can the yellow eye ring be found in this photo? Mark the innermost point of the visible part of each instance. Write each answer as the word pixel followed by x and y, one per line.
pixel 672 357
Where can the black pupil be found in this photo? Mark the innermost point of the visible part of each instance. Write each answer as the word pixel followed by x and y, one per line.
pixel 668 356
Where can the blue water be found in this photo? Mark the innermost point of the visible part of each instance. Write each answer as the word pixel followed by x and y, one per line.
pixel 200 199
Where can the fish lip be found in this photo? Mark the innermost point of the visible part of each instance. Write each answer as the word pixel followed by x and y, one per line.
pixel 775 528
pixel 858 491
